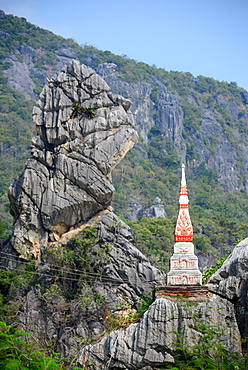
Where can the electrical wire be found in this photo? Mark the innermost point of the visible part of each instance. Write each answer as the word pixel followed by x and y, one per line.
pixel 75 272
pixel 88 278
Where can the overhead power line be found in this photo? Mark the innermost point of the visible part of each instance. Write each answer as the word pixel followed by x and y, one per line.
pixel 89 277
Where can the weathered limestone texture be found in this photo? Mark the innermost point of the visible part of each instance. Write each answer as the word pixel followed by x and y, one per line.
pixel 122 275
pixel 130 271
pixel 68 176
pixel 156 210
pixel 231 282
pixel 151 342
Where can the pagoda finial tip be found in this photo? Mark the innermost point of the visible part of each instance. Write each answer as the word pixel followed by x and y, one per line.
pixel 183 165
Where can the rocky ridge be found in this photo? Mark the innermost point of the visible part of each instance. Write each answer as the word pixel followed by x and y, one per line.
pixel 68 176
pixel 137 210
pixel 23 75
pixel 151 342
pixel 197 119
pixel 83 131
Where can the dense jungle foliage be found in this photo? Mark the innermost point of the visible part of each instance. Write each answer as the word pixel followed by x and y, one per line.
pixel 220 218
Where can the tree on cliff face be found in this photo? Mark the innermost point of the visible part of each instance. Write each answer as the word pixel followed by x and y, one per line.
pixel 83 131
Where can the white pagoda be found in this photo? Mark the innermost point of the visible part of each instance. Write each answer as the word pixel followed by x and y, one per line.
pixel 184 263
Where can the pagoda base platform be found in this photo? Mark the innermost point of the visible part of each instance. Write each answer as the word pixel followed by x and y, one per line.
pixel 189 292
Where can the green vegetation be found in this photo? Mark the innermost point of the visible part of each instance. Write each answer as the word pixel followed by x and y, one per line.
pixel 210 352
pixel 17 354
pixel 77 266
pixel 15 137
pixel 126 316
pixel 66 284
pixel 78 110
pixel 154 238
pixel 13 286
pixel 21 32
pixel 219 219
pixel 207 273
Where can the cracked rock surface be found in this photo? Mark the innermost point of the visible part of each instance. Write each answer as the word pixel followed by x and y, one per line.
pixel 231 282
pixel 67 179
pixel 151 342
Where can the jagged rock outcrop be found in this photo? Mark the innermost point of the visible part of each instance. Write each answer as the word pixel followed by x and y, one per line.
pixel 68 176
pixel 152 341
pixel 231 282
pixel 153 104
pixel 128 267
pixel 136 209
pixel 24 76
pixel 156 210
pixel 118 279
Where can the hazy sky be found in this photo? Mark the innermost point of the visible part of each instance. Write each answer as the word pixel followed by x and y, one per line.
pixel 204 37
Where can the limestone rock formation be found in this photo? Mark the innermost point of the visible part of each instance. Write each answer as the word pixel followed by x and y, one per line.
pixel 152 104
pixel 156 210
pixel 231 282
pixel 151 342
pixel 23 75
pixel 128 268
pixel 83 132
pixel 136 209
pixel 118 273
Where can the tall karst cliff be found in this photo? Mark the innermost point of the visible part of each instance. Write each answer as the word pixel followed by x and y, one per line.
pixel 83 131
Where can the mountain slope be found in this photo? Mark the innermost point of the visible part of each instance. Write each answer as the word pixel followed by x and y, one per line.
pixel 200 121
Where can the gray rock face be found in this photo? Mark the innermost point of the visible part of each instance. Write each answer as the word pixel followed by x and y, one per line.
pixel 231 282
pixel 123 275
pixel 19 72
pixel 222 150
pixel 156 210
pixel 129 269
pixel 23 74
pixel 153 104
pixel 151 342
pixel 136 209
pixel 68 177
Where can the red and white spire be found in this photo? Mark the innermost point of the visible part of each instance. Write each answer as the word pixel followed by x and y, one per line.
pixel 183 230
